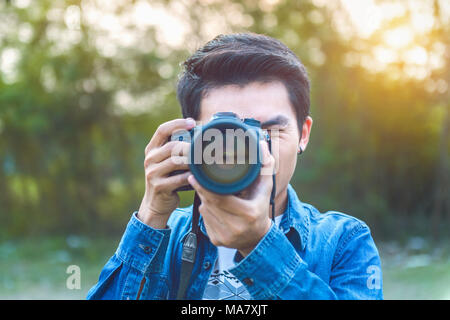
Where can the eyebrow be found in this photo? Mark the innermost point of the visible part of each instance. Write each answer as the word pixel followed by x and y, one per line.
pixel 278 120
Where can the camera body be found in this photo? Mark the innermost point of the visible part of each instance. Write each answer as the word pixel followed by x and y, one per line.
pixel 224 154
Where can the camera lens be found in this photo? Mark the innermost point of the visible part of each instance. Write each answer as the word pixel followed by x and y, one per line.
pixel 230 169
pixel 229 155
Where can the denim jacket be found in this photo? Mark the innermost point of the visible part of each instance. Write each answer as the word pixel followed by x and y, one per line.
pixel 311 255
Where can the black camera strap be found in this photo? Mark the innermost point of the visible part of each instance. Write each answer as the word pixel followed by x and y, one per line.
pixel 274 187
pixel 189 251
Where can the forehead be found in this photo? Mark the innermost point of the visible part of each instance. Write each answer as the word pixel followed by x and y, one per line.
pixel 262 101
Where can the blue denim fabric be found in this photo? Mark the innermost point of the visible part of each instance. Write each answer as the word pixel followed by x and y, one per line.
pixel 312 255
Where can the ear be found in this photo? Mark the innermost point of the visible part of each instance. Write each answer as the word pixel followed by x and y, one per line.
pixel 305 132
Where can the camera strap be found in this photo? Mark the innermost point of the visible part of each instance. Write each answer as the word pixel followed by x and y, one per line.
pixel 189 251
pixel 274 186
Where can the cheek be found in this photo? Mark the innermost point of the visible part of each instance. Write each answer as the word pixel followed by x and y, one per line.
pixel 287 158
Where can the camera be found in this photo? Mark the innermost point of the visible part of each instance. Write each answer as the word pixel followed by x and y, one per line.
pixel 224 154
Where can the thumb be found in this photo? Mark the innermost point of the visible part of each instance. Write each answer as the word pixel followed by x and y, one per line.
pixel 268 161
pixel 264 185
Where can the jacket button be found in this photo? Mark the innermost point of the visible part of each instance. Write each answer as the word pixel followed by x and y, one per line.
pixel 248 281
pixel 207 265
pixel 147 249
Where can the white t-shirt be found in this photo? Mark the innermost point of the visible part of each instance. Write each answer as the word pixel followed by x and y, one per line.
pixel 222 284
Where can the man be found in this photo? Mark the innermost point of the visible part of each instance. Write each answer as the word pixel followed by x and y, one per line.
pixel 242 253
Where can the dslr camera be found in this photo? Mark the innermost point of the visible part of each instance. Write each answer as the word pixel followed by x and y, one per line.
pixel 224 154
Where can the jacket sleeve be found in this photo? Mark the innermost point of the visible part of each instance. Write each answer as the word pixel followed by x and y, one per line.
pixel 291 279
pixel 356 272
pixel 137 262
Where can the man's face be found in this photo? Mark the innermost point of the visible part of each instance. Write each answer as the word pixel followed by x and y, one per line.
pixel 266 102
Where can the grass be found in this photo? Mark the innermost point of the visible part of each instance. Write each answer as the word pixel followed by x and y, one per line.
pixel 416 270
pixel 430 282
pixel 36 268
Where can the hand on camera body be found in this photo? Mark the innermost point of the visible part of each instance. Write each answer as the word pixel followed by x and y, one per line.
pixel 234 221
pixel 160 198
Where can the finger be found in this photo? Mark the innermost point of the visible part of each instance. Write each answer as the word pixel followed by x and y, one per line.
pixel 202 192
pixel 264 155
pixel 263 184
pixel 205 195
pixel 218 222
pixel 169 165
pixel 212 225
pixel 268 161
pixel 213 218
pixel 166 129
pixel 170 184
pixel 171 148
pixel 226 203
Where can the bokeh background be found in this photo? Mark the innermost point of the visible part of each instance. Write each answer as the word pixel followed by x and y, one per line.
pixel 84 84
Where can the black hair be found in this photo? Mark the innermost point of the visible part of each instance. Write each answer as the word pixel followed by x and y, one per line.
pixel 239 59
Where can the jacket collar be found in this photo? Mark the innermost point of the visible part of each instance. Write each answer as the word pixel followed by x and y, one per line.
pixel 296 216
